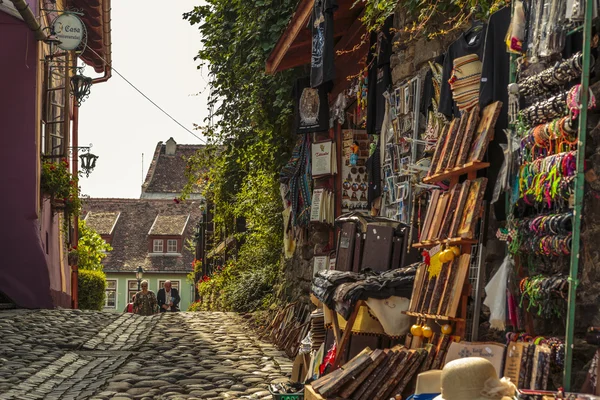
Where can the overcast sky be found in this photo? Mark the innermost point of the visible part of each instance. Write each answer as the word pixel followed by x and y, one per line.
pixel 153 47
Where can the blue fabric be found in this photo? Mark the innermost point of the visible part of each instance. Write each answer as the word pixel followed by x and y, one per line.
pixel 424 396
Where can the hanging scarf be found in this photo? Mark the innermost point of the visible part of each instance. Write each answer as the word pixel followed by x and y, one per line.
pixel 297 174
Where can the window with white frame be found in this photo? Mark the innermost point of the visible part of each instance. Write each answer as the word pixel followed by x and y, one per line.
pixel 157 245
pixel 111 294
pixel 132 289
pixel 171 246
pixel 174 284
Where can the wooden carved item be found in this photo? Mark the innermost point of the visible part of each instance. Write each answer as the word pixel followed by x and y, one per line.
pixel 377 356
pixel 394 358
pixel 430 213
pixel 431 352
pixel 395 376
pixel 440 211
pixel 462 199
pixel 446 291
pixel 438 150
pixel 417 287
pixel 447 149
pixel 457 144
pixel 441 352
pixel 485 131
pixel 438 291
pixel 457 287
pixel 349 371
pixel 388 382
pixel 421 299
pixel 429 294
pixel 472 208
pixel 463 154
pixel 411 372
pixel 450 212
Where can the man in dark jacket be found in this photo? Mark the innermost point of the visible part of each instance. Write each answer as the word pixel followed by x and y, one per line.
pixel 168 298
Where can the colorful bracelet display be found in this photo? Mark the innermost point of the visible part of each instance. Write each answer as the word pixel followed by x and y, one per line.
pixel 547 183
pixel 547 294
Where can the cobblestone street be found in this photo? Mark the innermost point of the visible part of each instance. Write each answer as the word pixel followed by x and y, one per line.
pixel 67 354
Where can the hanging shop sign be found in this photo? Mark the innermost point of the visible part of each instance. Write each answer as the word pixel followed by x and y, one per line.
pixel 70 30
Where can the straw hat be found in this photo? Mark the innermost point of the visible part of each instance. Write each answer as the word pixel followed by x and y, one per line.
pixel 474 378
pixel 465 80
pixel 429 382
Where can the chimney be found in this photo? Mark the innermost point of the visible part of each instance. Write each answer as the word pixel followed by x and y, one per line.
pixel 171 147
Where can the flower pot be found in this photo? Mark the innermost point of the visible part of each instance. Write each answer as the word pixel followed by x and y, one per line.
pixel 73 258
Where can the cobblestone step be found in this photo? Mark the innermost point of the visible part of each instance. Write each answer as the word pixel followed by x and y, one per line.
pixel 67 377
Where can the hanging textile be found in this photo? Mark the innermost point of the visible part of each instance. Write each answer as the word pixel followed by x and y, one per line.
pixel 297 175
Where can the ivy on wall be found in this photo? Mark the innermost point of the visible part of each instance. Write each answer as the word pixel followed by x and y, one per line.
pixel 249 138
pixel 429 18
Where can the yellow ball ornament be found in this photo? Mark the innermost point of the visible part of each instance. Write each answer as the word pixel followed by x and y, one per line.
pixel 446 256
pixel 416 330
pixel 455 251
pixel 427 331
pixel 446 329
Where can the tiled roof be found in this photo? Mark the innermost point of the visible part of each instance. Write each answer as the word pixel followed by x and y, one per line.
pixel 102 222
pixel 130 238
pixel 169 225
pixel 96 16
pixel 161 177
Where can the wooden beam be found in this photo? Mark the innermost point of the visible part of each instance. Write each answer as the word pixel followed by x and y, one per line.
pixel 298 22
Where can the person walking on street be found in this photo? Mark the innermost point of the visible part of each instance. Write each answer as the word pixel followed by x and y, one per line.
pixel 168 298
pixel 145 301
pixel 129 306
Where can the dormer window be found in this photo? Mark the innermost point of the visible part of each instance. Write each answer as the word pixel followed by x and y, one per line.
pixel 172 246
pixel 166 235
pixel 157 245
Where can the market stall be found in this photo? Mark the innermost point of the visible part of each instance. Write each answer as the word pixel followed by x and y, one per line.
pixel 408 177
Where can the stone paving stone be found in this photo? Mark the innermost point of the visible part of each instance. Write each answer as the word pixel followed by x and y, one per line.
pixel 93 355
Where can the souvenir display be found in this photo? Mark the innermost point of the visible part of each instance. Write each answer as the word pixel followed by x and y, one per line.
pixel 400 150
pixel 354 176
pixel 324 158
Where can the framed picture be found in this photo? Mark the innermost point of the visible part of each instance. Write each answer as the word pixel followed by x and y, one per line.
pixel 452 209
pixel 392 102
pixel 472 209
pixel 485 131
pixel 468 136
pixel 438 151
pixel 460 208
pixel 447 149
pixel 398 97
pixel 458 138
pixel 391 185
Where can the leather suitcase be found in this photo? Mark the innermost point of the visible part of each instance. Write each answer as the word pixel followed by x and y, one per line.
pixel 358 251
pixel 345 249
pixel 378 246
pixel 397 252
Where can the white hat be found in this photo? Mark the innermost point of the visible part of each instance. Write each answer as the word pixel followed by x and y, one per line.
pixel 429 382
pixel 474 378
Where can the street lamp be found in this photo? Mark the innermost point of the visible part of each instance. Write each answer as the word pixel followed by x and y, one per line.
pixel 138 275
pixel 80 86
pixel 88 162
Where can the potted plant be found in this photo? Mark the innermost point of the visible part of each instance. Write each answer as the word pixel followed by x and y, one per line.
pixel 55 182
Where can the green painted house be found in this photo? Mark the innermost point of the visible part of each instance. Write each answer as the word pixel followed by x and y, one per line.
pixel 153 232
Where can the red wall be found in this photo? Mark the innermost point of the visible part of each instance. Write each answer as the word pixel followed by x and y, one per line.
pixel 23 267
